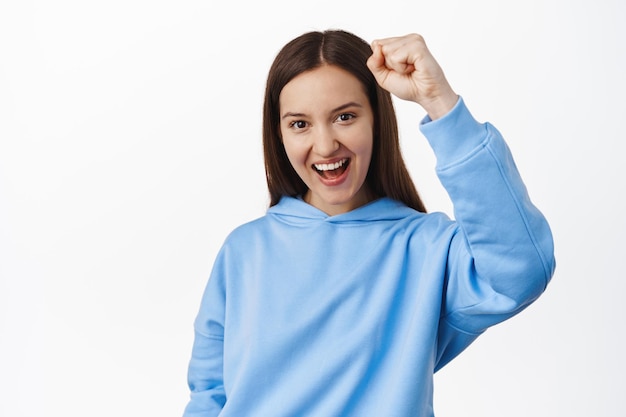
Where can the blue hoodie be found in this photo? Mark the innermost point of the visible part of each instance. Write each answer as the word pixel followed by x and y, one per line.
pixel 307 314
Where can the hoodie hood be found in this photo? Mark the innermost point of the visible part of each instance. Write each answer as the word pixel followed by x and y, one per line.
pixel 297 211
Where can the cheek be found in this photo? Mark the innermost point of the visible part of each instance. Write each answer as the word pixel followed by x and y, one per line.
pixel 363 143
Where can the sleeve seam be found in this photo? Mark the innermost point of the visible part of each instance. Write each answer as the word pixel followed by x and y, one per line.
pixel 210 335
pixel 458 329
pixel 522 215
pixel 483 144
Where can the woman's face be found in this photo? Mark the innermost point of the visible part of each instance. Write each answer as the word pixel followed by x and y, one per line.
pixel 327 124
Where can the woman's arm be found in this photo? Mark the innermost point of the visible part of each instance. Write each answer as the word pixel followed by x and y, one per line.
pixel 205 374
pixel 501 257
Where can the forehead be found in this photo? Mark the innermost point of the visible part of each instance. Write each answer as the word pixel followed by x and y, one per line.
pixel 324 86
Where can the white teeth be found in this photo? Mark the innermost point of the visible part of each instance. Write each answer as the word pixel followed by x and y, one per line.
pixel 330 167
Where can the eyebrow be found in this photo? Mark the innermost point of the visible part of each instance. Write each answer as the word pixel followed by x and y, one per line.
pixel 336 109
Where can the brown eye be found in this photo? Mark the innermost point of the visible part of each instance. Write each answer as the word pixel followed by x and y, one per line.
pixel 298 124
pixel 344 117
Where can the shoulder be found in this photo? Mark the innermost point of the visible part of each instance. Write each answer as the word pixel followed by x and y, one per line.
pixel 413 224
pixel 431 227
pixel 246 232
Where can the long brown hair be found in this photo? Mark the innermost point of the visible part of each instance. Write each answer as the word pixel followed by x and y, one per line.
pixel 387 175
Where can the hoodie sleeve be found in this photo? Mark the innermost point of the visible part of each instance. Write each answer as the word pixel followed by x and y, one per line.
pixel 501 256
pixel 205 373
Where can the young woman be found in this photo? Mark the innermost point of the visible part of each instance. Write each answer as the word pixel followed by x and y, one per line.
pixel 346 297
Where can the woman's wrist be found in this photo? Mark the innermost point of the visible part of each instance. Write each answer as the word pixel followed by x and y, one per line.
pixel 441 104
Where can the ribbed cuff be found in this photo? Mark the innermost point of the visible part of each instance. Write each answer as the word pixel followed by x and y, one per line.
pixel 455 135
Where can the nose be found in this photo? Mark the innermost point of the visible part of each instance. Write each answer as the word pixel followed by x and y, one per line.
pixel 324 143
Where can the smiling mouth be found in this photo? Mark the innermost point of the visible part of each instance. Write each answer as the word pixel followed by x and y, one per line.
pixel 332 171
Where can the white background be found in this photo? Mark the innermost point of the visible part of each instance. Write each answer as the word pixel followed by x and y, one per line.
pixel 130 146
